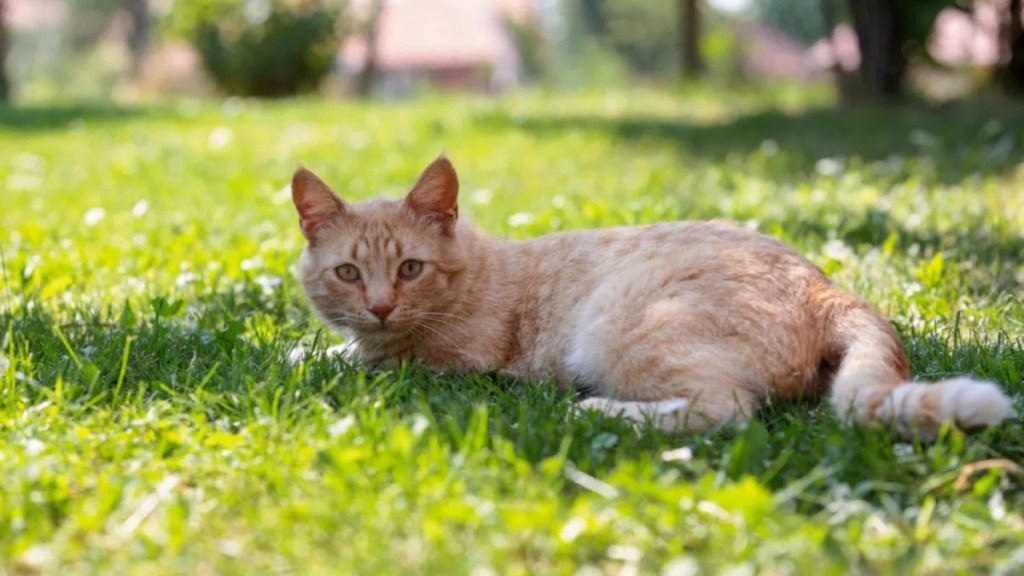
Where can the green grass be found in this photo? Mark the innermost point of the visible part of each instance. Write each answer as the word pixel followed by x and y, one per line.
pixel 151 422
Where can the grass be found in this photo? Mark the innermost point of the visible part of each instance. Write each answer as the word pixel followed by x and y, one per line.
pixel 150 421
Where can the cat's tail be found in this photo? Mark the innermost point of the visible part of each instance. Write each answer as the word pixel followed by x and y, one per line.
pixel 872 381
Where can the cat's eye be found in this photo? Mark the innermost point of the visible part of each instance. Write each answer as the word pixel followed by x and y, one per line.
pixel 347 272
pixel 410 269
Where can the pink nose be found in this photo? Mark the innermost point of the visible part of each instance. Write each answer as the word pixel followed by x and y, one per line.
pixel 382 311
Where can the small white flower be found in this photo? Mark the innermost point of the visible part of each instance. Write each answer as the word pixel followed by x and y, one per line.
pixel 903 452
pixel 30 266
pixel 252 263
pixel 186 278
pixel 36 558
pixel 837 250
pixel 684 454
pixel 93 216
pixel 420 423
pixel 572 529
pixel 481 196
pixel 268 281
pixel 828 167
pixel 33 446
pixel 219 138
pixel 231 548
pixel 282 195
pixel 520 219
pixel 628 554
pixel 682 567
pixel 140 209
pixel 341 426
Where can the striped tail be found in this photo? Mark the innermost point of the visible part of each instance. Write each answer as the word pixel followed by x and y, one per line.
pixel 872 383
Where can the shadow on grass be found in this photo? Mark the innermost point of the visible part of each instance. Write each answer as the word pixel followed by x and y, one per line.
pixel 962 138
pixel 61 117
pixel 975 240
pixel 211 369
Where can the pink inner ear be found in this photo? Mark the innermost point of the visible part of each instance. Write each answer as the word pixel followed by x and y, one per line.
pixel 435 195
pixel 314 201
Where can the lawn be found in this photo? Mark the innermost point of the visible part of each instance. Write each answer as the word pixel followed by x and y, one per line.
pixel 151 422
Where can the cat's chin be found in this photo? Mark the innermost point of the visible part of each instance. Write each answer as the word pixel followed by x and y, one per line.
pixel 378 332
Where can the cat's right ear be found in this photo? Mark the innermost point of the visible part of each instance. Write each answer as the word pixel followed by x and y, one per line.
pixel 314 201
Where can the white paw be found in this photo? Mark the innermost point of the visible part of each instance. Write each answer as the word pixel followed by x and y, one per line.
pixel 346 352
pixel 670 406
pixel 664 414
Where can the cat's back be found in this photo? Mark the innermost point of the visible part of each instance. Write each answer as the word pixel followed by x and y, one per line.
pixel 714 269
pixel 583 257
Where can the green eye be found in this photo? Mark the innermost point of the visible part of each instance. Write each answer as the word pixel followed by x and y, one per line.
pixel 347 272
pixel 410 269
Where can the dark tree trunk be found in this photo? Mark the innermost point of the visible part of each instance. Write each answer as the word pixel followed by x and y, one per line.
pixel 5 84
pixel 1012 74
pixel 367 76
pixel 689 38
pixel 845 81
pixel 138 37
pixel 880 36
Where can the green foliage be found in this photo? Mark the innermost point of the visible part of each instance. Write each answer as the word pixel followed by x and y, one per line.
pixel 919 17
pixel 642 32
pixel 532 46
pixel 89 20
pixel 152 422
pixel 262 47
pixel 801 19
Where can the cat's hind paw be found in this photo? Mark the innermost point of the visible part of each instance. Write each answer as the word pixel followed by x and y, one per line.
pixel 669 415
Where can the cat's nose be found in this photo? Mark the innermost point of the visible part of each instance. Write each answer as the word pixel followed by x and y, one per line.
pixel 381 311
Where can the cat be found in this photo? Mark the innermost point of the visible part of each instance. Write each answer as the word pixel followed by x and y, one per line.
pixel 683 324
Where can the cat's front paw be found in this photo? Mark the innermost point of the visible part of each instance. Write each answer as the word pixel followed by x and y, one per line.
pixel 348 352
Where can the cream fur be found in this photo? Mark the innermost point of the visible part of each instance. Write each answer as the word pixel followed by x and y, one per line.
pixel 684 323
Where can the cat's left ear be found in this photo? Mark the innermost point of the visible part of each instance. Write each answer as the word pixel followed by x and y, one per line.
pixel 435 195
pixel 314 201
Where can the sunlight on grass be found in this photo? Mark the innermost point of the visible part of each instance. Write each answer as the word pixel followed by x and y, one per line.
pixel 150 420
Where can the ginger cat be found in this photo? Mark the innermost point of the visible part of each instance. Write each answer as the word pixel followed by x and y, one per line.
pixel 683 323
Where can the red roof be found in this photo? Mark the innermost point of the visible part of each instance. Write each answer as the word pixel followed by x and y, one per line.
pixel 434 34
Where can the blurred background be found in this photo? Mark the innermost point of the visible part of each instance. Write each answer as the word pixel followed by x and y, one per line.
pixel 61 51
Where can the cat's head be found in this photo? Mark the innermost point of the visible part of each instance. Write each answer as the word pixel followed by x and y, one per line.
pixel 382 267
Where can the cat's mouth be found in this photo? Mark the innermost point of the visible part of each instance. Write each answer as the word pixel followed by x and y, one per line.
pixel 380 328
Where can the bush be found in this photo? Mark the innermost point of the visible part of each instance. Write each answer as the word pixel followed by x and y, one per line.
pixel 266 48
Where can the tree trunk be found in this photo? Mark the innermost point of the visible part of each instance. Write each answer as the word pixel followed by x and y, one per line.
pixel 138 37
pixel 689 38
pixel 880 36
pixel 845 82
pixel 5 84
pixel 1012 74
pixel 367 76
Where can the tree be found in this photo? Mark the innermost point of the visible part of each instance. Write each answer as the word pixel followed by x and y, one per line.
pixel 371 37
pixel 5 84
pixel 804 20
pixel 287 51
pixel 689 41
pixel 880 36
pixel 645 34
pixel 138 36
pixel 1011 75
